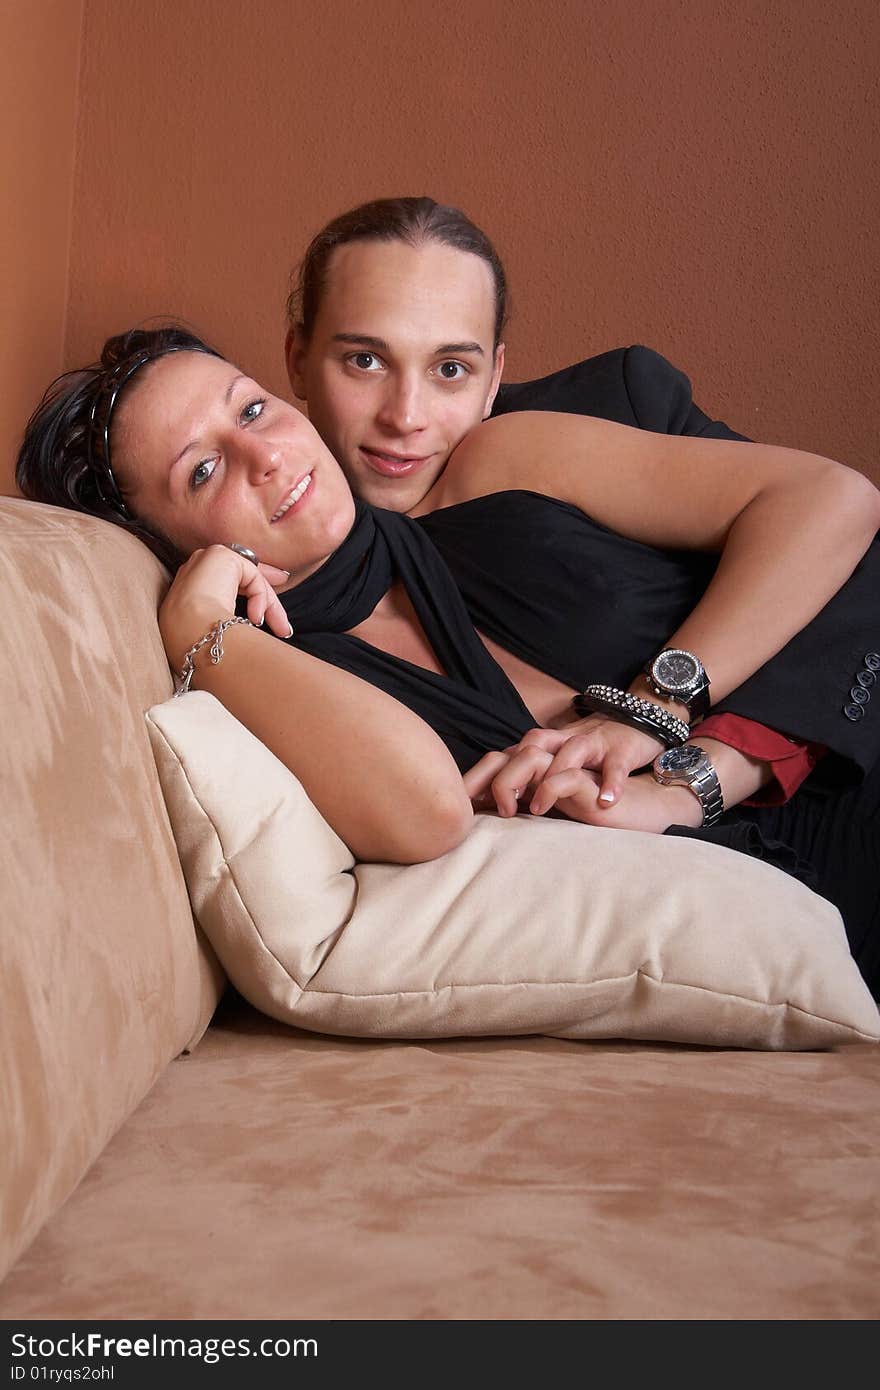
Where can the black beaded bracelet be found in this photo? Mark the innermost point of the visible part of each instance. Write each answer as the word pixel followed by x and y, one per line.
pixel 632 709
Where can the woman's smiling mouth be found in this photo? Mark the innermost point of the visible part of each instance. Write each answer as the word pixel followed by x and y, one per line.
pixel 292 498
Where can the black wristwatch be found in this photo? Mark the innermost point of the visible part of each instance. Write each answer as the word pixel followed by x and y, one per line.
pixel 689 766
pixel 679 675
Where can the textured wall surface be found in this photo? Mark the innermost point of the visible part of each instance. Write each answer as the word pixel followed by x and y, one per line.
pixel 700 178
pixel 39 65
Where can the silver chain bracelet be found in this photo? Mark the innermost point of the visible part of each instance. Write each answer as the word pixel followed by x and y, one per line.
pixel 215 637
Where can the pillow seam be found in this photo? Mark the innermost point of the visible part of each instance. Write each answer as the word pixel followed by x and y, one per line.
pixel 585 984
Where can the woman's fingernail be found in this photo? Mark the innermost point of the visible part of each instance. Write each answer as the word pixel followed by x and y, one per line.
pixel 607 797
pixel 289 630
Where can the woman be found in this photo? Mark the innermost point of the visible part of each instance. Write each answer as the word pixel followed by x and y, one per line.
pixel 177 444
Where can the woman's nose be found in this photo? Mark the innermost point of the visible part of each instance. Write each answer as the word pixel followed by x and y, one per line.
pixel 404 405
pixel 258 456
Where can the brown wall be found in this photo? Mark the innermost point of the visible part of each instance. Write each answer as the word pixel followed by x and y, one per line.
pixel 39 67
pixel 702 178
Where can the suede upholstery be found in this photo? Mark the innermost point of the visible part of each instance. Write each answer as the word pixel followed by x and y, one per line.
pixel 269 1172
pixel 104 980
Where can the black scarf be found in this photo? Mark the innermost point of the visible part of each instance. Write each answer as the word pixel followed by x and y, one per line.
pixel 473 707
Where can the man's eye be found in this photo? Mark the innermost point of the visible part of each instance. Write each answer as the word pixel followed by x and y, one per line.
pixel 253 410
pixel 365 361
pixel 452 371
pixel 201 473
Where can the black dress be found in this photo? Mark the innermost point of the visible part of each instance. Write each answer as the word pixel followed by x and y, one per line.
pixel 582 604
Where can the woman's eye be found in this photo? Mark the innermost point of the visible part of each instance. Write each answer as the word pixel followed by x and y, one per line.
pixel 201 473
pixel 452 371
pixel 253 410
pixel 365 361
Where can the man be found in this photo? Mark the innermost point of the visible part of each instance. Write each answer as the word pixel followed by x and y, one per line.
pixel 395 343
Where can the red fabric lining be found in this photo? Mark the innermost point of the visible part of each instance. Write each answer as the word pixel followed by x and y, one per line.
pixel 791 761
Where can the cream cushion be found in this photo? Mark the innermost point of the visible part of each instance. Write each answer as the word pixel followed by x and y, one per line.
pixel 529 926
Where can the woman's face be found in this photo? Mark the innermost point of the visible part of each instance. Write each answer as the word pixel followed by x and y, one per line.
pixel 205 455
pixel 400 364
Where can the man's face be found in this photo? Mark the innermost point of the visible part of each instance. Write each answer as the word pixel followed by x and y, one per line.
pixel 400 365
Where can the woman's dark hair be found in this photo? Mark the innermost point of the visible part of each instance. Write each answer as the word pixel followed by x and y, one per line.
pixel 64 458
pixel 413 220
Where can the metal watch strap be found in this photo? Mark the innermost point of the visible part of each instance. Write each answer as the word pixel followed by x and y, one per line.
pixel 702 780
pixel 707 789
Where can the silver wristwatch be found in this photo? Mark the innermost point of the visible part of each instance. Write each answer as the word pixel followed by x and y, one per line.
pixel 679 675
pixel 689 766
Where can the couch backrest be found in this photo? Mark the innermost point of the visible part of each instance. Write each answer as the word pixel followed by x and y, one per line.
pixel 104 980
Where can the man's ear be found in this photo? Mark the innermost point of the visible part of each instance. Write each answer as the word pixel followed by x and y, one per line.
pixel 295 353
pixel 497 371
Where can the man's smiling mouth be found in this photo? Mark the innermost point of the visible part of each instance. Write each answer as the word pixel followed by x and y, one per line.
pixel 393 465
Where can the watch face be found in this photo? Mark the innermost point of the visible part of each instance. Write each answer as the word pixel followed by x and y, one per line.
pixel 678 760
pixel 676 670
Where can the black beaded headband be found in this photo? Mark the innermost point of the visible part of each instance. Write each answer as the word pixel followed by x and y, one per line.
pixel 114 382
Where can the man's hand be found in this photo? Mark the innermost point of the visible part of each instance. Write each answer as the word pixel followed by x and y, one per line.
pixel 642 805
pixel 548 765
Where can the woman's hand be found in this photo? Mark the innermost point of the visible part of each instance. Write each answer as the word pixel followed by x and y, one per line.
pixel 643 803
pixel 206 588
pixel 547 763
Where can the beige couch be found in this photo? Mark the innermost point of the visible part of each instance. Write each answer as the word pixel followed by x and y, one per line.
pixel 151 1169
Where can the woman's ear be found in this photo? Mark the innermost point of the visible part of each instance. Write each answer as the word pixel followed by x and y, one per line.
pixel 497 371
pixel 295 353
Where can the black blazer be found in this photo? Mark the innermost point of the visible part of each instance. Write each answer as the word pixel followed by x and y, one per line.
pixel 824 686
pixel 632 385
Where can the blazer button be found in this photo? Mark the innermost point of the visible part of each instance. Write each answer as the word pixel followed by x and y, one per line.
pixel 859 695
pixel 872 661
pixel 866 679
pixel 854 712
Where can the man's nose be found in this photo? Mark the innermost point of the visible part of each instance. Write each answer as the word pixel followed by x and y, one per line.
pixel 404 405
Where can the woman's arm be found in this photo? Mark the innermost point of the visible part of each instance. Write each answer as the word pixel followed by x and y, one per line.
pixel 791 527
pixel 646 805
pixel 523 780
pixel 375 771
